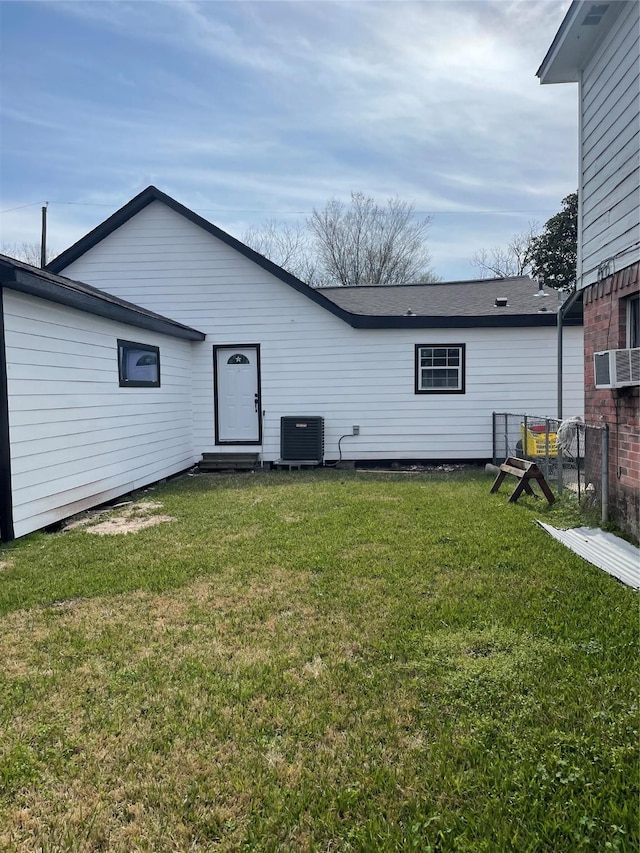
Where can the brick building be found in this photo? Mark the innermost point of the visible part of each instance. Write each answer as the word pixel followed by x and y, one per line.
pixel 611 322
pixel 598 46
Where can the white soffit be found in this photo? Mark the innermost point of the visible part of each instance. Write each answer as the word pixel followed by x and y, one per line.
pixel 615 556
pixel 584 27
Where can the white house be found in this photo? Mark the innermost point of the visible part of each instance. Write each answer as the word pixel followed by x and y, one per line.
pixel 598 47
pixel 419 369
pixel 356 356
pixel 80 421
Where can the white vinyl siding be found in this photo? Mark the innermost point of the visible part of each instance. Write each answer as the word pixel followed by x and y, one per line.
pixel 610 150
pixel 313 363
pixel 76 437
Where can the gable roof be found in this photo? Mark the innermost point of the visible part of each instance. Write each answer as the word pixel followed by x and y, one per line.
pixel 444 305
pixel 151 194
pixel 581 31
pixel 25 278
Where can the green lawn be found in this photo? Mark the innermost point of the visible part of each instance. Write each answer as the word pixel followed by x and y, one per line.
pixel 325 661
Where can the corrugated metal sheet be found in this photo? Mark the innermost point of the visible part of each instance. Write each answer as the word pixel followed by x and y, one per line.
pixel 604 550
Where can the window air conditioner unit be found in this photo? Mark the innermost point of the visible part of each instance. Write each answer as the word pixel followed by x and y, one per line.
pixel 617 368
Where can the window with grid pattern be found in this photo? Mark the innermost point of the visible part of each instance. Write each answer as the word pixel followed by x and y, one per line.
pixel 440 369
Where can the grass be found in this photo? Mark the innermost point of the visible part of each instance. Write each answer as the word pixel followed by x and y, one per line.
pixel 327 661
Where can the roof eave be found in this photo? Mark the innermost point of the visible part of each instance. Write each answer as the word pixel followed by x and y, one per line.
pixel 367 321
pixel 32 285
pixel 151 194
pixel 574 43
pixel 102 230
pixel 356 321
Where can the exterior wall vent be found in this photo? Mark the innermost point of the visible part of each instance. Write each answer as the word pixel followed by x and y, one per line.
pixel 595 15
pixel 302 438
pixel 617 368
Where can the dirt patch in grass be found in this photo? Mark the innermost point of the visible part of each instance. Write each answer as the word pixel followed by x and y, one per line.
pixel 5 564
pixel 131 519
pixel 114 526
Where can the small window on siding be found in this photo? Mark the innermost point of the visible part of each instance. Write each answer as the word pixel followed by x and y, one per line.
pixel 138 365
pixel 440 369
pixel 633 322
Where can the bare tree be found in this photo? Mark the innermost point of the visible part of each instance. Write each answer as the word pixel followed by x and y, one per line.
pixel 364 243
pixel 285 245
pixel 25 251
pixel 514 259
pixel 359 243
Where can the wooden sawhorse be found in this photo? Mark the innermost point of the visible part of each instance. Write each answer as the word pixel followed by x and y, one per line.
pixel 525 472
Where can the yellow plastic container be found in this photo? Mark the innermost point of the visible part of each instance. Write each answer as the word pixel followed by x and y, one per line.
pixel 534 441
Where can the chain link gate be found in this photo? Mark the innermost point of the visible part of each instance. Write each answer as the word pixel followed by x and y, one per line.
pixel 577 462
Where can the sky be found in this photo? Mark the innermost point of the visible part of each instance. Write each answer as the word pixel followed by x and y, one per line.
pixel 254 111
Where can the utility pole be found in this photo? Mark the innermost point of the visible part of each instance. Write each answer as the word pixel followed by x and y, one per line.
pixel 43 239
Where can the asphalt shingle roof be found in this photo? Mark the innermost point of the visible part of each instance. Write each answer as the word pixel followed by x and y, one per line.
pixel 451 305
pixel 475 298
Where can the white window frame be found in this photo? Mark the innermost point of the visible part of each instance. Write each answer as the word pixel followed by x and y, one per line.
pixel 440 359
pixel 144 378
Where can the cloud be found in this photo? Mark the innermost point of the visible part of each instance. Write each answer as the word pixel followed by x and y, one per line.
pixel 279 106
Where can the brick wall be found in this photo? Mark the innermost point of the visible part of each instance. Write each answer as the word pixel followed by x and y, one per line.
pixel 605 327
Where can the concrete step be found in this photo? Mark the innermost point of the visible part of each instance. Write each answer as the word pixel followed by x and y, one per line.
pixel 229 461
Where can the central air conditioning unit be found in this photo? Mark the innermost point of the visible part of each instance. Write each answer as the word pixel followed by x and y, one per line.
pixel 302 439
pixel 617 368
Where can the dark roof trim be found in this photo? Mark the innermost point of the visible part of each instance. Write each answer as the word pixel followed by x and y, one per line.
pixel 151 194
pixel 6 500
pixel 572 308
pixel 91 300
pixel 362 321
pixel 357 321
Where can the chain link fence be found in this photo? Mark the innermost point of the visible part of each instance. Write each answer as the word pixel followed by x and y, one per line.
pixel 571 454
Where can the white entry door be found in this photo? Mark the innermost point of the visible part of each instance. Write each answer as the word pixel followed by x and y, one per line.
pixel 237 395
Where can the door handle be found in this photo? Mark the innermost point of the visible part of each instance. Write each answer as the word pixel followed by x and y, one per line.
pixel 255 401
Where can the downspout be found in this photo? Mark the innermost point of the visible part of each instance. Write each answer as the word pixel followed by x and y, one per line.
pixel 6 501
pixel 564 309
pixel 560 316
pixel 604 465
